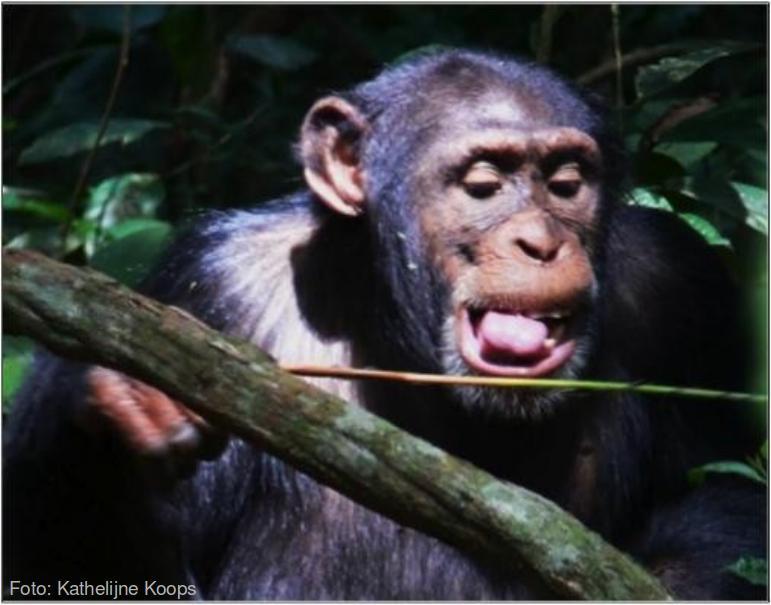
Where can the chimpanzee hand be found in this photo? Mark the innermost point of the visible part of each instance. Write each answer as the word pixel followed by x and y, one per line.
pixel 165 435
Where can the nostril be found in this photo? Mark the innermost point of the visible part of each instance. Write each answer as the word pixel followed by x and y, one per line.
pixel 544 252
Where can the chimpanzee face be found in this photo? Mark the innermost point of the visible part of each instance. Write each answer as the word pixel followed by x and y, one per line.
pixel 508 208
pixel 505 192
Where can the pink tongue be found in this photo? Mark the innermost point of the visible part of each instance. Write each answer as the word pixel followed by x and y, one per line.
pixel 502 334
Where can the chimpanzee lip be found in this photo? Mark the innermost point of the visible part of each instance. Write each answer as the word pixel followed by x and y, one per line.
pixel 560 348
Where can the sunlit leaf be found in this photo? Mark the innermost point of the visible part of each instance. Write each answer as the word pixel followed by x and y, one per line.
pixel 752 569
pixel 119 198
pixel 647 199
pixel 706 229
pixel 123 196
pixel 75 138
pixel 273 51
pixel 134 225
pixel 697 475
pixel 755 201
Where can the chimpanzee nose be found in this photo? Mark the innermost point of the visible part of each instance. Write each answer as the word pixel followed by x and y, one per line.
pixel 535 237
pixel 543 249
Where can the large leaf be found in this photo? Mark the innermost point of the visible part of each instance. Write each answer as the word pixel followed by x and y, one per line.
pixel 647 199
pixel 114 200
pixel 755 202
pixel 75 138
pixel 752 569
pixel 130 258
pixel 672 70
pixel 273 51
pixel 707 230
pixel 123 196
pixel 697 475
pixel 715 192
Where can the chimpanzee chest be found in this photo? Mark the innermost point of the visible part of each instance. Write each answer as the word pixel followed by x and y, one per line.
pixel 309 542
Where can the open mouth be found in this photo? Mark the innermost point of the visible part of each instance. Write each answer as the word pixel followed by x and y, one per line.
pixel 514 343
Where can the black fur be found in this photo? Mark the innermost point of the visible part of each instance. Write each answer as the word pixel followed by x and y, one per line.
pixel 312 287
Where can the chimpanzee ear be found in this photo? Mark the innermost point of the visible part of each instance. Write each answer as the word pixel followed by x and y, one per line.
pixel 329 146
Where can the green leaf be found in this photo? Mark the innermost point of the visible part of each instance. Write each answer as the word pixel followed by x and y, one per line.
pixel 273 51
pixel 647 199
pixel 672 70
pixel 739 122
pixel 134 225
pixel 47 240
pixel 697 475
pixel 715 192
pixel 31 202
pixel 755 202
pixel 127 195
pixel 114 200
pixel 79 137
pixel 687 154
pixel 706 229
pixel 17 357
pixel 110 17
pixel 130 258
pixel 752 569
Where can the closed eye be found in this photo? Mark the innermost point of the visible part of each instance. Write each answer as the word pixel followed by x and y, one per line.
pixel 566 181
pixel 482 180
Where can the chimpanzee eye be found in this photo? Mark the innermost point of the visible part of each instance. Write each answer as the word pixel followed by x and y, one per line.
pixel 566 180
pixel 482 180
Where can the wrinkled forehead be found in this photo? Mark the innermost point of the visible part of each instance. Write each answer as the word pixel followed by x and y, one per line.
pixel 486 101
pixel 451 101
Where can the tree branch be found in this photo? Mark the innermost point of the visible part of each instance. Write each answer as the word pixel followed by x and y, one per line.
pixel 82 314
pixel 635 57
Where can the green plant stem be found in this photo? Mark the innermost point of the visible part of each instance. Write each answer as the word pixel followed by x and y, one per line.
pixel 533 383
pixel 123 59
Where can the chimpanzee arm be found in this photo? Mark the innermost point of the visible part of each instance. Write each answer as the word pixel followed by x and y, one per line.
pixel 77 504
pixel 691 543
pixel 674 322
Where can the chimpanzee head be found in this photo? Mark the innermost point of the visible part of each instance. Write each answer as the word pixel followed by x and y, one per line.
pixel 484 182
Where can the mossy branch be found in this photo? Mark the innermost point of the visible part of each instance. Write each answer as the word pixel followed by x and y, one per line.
pixel 82 314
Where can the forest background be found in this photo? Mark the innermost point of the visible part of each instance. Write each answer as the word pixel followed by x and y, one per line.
pixel 122 122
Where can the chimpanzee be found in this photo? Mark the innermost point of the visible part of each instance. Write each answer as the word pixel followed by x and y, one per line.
pixel 462 215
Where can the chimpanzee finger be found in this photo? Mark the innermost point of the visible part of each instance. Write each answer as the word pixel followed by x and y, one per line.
pixel 112 398
pixel 168 416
